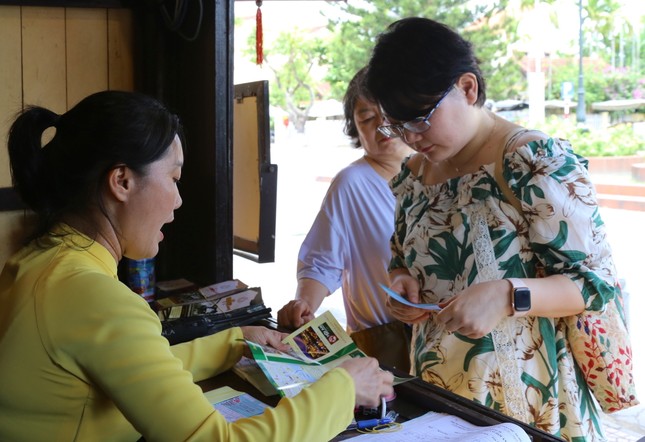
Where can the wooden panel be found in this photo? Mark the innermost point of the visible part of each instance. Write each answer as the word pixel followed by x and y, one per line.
pixel 43 58
pixel 70 3
pixel 120 50
pixel 246 179
pixel 56 57
pixel 254 177
pixel 10 81
pixel 86 43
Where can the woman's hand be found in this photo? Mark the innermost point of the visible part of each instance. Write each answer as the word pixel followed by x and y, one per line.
pixel 408 287
pixel 295 314
pixel 477 310
pixel 264 336
pixel 370 382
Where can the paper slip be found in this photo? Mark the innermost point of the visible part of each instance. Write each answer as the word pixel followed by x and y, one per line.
pixel 233 404
pixel 402 300
pixel 440 427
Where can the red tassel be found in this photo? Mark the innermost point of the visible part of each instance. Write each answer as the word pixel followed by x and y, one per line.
pixel 258 34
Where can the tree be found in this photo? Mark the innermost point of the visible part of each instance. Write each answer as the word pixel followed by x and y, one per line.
pixel 487 24
pixel 492 27
pixel 291 58
pixel 600 22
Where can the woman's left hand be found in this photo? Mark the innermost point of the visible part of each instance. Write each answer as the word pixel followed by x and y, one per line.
pixel 407 286
pixel 477 310
pixel 265 336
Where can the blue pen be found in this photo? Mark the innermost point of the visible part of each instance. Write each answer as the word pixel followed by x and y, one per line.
pixel 371 423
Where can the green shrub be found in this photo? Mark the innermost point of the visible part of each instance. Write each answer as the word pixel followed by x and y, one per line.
pixel 618 140
pixel 601 83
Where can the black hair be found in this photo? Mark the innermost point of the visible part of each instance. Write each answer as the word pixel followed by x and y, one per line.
pixel 355 90
pixel 102 131
pixel 415 60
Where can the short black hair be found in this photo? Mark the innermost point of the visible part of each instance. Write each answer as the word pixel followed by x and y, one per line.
pixel 415 60
pixel 355 90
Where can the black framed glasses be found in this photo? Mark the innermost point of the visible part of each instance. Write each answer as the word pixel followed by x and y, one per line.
pixel 416 126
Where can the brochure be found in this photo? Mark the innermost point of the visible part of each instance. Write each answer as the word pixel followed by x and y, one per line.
pixel 250 371
pixel 316 348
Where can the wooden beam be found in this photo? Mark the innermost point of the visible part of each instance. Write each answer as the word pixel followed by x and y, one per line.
pixel 71 3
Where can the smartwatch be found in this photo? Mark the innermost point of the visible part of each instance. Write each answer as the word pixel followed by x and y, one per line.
pixel 520 296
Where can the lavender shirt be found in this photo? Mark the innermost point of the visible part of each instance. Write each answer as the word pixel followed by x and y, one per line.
pixel 348 244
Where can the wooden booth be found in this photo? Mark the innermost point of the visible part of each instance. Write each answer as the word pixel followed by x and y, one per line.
pixel 55 52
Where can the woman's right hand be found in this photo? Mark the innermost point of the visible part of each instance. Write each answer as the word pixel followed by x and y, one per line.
pixel 408 287
pixel 370 382
pixel 295 314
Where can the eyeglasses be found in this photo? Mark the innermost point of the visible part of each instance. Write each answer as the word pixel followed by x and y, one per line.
pixel 416 126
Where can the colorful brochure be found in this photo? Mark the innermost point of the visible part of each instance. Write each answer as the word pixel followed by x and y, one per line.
pixel 316 348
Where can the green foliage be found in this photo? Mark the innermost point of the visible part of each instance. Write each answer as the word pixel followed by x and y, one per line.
pixel 488 25
pixel 359 26
pixel 291 58
pixel 601 82
pixel 354 36
pixel 617 140
pixel 504 76
pixel 600 23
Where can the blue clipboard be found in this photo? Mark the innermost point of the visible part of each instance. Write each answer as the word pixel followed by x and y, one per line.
pixel 402 300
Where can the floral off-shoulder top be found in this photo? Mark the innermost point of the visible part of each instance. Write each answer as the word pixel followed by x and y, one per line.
pixel 522 368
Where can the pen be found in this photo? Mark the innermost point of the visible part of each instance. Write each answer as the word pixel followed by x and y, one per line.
pixel 371 423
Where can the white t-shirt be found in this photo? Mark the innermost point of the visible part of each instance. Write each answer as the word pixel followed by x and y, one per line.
pixel 348 244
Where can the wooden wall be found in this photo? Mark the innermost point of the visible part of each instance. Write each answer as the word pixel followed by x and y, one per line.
pixel 53 57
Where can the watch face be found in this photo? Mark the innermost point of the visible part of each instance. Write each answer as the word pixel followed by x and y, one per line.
pixel 522 299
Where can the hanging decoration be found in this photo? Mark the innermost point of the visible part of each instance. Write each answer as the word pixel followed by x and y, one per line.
pixel 258 34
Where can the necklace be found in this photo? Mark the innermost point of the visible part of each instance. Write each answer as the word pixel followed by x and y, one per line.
pixel 488 138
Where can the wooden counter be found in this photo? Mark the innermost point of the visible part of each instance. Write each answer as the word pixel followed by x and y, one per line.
pixel 413 398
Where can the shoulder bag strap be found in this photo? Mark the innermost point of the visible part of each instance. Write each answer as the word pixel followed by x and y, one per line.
pixel 499 166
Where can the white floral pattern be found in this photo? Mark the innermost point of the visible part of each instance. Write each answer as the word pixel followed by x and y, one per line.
pixel 433 240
